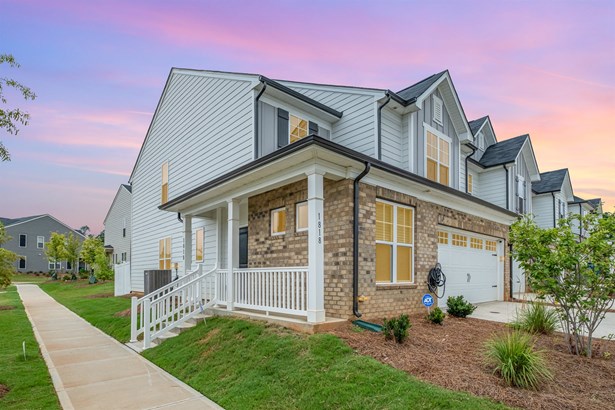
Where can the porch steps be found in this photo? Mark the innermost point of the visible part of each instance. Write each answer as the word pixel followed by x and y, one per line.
pixel 187 325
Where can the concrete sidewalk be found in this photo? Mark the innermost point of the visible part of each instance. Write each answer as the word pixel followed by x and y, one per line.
pixel 506 312
pixel 91 370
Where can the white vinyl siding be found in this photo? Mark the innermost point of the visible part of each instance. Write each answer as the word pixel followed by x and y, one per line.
pixel 493 186
pixel 196 113
pixel 119 219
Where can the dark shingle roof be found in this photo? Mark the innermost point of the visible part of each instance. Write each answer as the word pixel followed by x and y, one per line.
pixel 476 124
pixel 550 181
pixel 578 200
pixel 128 187
pixel 410 94
pixel 595 202
pixel 13 221
pixel 503 152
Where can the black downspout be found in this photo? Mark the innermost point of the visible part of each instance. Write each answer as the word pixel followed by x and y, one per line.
pixel 580 219
pixel 507 193
pixel 179 217
pixel 355 242
pixel 468 157
pixel 554 223
pixel 379 121
pixel 258 96
pixel 510 291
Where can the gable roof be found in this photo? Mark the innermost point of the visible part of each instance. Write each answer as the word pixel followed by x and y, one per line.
pixel 13 221
pixel 503 152
pixel 412 93
pixel 476 125
pixel 551 181
pixel 128 187
pixel 117 194
pixel 595 202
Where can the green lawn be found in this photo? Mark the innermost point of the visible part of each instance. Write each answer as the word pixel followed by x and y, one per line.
pixel 241 364
pixel 95 303
pixel 29 277
pixel 28 379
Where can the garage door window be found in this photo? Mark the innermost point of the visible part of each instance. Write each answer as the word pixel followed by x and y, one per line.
pixel 491 246
pixel 476 243
pixel 443 238
pixel 460 240
pixel 394 243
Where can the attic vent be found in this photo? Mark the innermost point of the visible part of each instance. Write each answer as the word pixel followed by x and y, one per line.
pixel 437 110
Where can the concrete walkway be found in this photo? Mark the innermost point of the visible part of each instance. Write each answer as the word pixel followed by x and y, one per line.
pixel 506 312
pixel 91 370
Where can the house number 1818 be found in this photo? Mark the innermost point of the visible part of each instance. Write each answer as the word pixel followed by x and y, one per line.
pixel 319 229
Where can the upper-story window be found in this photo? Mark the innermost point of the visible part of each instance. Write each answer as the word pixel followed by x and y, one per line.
pixel 521 206
pixel 164 192
pixel 437 110
pixel 561 209
pixel 470 184
pixel 40 242
pixel 481 141
pixel 23 240
pixel 299 128
pixel 438 153
pixel 124 229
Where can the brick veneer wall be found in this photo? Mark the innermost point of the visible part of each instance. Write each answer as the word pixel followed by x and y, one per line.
pixel 265 250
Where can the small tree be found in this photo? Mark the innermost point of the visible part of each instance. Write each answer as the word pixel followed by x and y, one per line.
pixel 577 273
pixel 89 249
pixel 7 258
pixel 73 250
pixel 55 249
pixel 102 270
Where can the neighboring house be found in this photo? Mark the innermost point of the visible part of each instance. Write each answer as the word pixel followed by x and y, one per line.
pixel 503 173
pixel 320 200
pixel 118 226
pixel 582 207
pixel 551 197
pixel 29 236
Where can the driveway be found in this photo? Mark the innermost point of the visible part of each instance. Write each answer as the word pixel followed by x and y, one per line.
pixel 505 312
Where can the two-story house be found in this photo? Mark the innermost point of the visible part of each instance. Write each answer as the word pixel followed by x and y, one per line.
pixel 118 227
pixel 551 196
pixel 28 238
pixel 580 207
pixel 318 200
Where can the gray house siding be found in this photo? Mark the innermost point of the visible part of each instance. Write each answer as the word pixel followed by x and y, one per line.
pixel 357 127
pixel 203 129
pixel 392 138
pixel 520 169
pixel 36 260
pixel 118 226
pixel 493 186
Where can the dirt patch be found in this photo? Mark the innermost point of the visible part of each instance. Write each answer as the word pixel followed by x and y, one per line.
pixel 4 307
pixel 452 356
pixel 100 295
pixel 213 332
pixel 4 390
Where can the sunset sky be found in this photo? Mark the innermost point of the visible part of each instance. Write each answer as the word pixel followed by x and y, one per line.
pixel 542 67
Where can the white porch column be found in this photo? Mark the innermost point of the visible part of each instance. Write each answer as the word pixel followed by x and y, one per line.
pixel 232 249
pixel 187 244
pixel 316 277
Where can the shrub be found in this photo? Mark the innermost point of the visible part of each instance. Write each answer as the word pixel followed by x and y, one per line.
pixel 515 360
pixel 396 328
pixel 536 318
pixel 436 316
pixel 459 307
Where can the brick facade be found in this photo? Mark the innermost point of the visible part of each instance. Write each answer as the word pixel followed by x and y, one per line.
pixel 265 250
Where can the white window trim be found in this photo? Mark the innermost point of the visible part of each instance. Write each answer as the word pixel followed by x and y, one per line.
pixel 297 229
pixel 40 242
pixel 282 208
pixel 427 127
pixel 394 245
pixel 26 240
pixel 438 100
pixel 481 141
pixel 290 113
pixel 170 258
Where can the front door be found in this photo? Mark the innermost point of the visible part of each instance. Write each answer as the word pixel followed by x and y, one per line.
pixel 243 247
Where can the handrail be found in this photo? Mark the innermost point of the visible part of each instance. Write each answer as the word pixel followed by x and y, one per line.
pixel 173 284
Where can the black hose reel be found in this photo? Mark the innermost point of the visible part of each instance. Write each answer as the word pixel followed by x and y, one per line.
pixel 435 280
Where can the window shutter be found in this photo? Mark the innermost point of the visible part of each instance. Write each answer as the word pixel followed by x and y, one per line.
pixel 313 128
pixel 437 110
pixel 282 128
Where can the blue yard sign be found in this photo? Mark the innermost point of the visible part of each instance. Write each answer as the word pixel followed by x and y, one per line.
pixel 427 300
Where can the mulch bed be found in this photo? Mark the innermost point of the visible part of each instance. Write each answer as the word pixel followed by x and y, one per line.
pixel 100 295
pixel 451 356
pixel 4 307
pixel 4 390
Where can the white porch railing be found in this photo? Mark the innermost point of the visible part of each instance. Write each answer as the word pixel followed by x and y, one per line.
pixel 171 305
pixel 276 290
pixel 121 278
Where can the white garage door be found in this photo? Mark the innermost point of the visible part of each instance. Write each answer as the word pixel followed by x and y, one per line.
pixel 471 264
